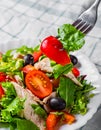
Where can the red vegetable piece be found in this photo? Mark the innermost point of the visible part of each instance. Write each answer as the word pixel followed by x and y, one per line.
pixel 51 121
pixel 36 55
pixel 38 83
pixel 53 49
pixel 76 72
pixel 27 68
pixel 68 118
pixel 1 91
pixel 2 77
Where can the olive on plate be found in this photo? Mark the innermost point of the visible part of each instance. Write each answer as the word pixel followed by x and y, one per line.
pixel 74 59
pixel 57 103
pixel 28 59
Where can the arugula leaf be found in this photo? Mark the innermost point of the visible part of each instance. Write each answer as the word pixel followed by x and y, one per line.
pixel 82 97
pixel 66 91
pixel 70 37
pixel 76 98
pixel 39 110
pixel 60 70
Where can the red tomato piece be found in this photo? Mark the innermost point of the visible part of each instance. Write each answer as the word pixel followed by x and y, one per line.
pixel 1 91
pixel 27 68
pixel 38 83
pixel 68 118
pixel 53 49
pixel 2 77
pixel 36 55
pixel 76 72
pixel 51 121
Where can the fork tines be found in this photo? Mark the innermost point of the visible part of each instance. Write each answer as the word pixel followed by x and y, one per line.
pixel 83 26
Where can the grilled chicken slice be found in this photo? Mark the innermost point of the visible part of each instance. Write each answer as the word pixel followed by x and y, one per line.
pixel 73 78
pixel 44 65
pixel 28 112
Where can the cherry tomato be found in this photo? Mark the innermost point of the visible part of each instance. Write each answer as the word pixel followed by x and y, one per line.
pixel 76 72
pixel 1 91
pixel 2 77
pixel 51 121
pixel 38 83
pixel 68 118
pixel 27 68
pixel 36 55
pixel 53 49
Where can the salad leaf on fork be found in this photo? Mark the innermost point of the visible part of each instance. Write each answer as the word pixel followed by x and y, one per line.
pixel 71 38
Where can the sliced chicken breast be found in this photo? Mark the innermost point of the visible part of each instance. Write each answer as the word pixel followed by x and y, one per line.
pixel 28 112
pixel 44 65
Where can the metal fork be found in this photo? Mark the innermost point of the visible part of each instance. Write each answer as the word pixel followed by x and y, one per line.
pixel 88 18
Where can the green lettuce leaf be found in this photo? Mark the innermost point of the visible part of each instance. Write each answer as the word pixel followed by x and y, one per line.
pixel 10 94
pixel 23 124
pixel 26 125
pixel 9 89
pixel 25 50
pixel 13 109
pixel 60 70
pixel 11 66
pixel 70 37
pixel 39 111
pixel 19 124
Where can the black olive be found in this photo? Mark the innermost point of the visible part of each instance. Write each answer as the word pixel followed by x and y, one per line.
pixel 28 59
pixel 74 59
pixel 57 103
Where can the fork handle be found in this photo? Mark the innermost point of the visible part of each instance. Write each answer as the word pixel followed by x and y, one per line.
pixel 96 3
pixel 91 13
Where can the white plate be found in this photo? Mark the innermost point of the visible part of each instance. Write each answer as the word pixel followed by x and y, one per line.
pixel 87 67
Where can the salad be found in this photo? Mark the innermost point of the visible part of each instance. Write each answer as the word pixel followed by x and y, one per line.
pixel 41 87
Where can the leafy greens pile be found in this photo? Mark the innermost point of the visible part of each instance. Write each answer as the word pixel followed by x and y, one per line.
pixel 76 97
